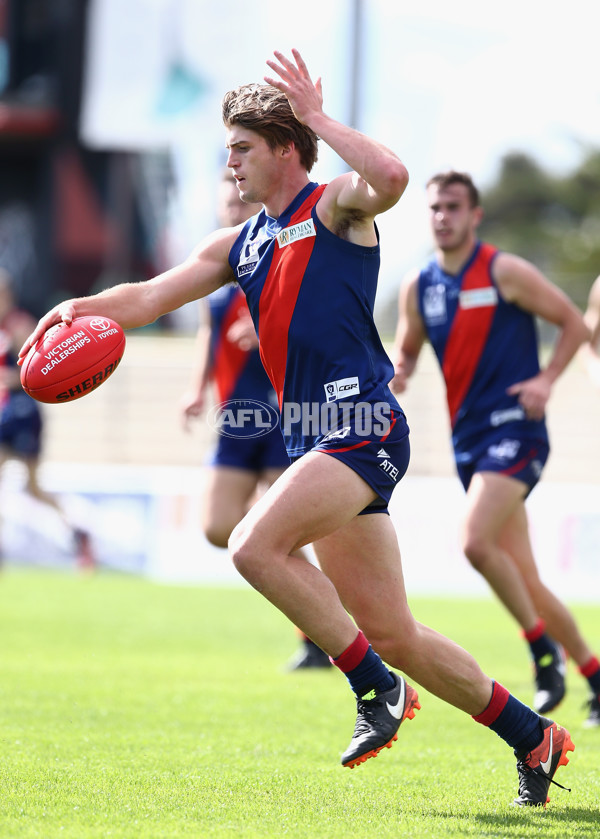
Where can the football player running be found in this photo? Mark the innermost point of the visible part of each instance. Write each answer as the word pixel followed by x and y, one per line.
pixel 308 264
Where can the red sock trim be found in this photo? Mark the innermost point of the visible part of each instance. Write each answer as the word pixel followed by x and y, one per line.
pixel 352 655
pixel 495 707
pixel 536 633
pixel 590 668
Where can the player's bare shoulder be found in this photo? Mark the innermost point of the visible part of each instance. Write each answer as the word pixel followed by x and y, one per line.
pixel 514 275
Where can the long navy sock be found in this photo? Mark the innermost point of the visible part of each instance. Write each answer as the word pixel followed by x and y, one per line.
pixel 363 668
pixel 517 724
pixel 591 671
pixel 539 642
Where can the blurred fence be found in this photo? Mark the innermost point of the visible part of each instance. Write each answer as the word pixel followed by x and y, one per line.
pixel 134 417
pixel 128 473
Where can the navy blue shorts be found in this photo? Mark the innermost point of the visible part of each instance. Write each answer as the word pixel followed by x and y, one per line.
pixel 21 425
pixel 507 453
pixel 381 461
pixel 256 454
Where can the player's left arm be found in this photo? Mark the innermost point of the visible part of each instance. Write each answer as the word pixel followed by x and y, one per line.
pixel 523 284
pixel 378 177
pixel 410 333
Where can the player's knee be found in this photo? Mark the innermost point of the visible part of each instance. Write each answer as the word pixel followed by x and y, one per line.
pixel 477 549
pixel 216 534
pixel 394 652
pixel 243 555
pixel 396 645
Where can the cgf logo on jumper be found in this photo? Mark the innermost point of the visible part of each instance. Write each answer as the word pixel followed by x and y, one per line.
pixel 297 231
pixel 342 388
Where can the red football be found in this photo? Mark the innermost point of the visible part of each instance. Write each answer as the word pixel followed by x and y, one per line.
pixel 70 361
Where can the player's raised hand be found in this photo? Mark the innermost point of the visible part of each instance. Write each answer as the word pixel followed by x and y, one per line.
pixel 62 313
pixel 304 95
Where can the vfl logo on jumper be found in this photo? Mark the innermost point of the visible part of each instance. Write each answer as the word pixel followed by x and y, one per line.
pixel 251 251
pixel 477 298
pixel 243 418
pixel 297 231
pixel 434 303
pixel 505 450
pixel 342 388
pixel 248 258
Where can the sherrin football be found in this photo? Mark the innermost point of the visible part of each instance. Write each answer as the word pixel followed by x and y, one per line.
pixel 72 360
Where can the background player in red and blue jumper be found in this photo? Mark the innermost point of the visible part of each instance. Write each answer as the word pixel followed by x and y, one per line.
pixel 477 306
pixel 308 264
pixel 241 467
pixel 21 418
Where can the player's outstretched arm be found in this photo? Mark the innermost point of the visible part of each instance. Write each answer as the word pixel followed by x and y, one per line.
pixel 136 304
pixel 382 175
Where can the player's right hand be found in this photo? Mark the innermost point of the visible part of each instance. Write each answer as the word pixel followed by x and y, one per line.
pixel 399 383
pixel 62 313
pixel 192 405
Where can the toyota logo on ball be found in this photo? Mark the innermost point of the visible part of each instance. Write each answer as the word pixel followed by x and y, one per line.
pixel 243 418
pixel 100 324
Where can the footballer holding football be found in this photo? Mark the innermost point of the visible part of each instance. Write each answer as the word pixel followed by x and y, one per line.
pixel 308 264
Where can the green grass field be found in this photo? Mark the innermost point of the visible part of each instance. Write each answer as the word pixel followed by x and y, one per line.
pixel 132 709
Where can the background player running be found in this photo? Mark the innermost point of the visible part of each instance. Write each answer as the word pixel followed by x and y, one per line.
pixel 477 306
pixel 241 467
pixel 308 265
pixel 21 419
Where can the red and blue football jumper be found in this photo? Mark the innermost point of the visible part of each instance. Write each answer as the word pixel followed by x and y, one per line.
pixel 311 296
pixel 484 344
pixel 238 374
